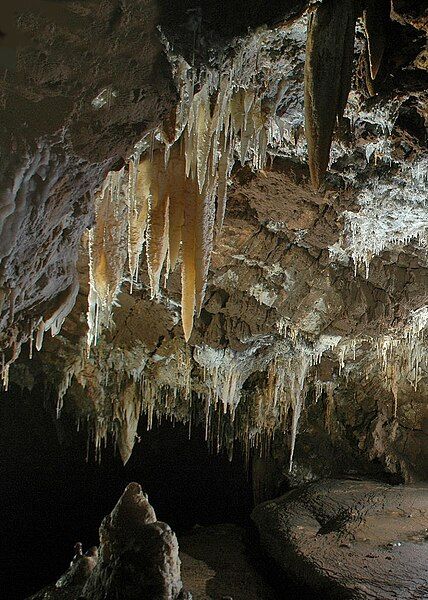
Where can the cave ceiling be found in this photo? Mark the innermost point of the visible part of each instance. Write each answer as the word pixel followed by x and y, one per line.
pixel 211 227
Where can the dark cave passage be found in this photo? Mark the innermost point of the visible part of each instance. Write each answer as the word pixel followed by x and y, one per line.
pixel 52 497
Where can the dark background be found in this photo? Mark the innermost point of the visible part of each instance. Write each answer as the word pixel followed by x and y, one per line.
pixel 52 497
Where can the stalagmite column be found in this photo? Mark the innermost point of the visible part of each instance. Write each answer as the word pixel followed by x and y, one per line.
pixel 138 554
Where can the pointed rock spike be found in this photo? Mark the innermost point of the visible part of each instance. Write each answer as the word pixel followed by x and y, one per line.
pixel 329 57
pixel 376 19
pixel 157 229
pixel 188 270
pixel 176 181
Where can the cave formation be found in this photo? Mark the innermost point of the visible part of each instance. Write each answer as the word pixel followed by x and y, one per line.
pixel 214 299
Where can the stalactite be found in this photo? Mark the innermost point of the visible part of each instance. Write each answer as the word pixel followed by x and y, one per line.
pixel 376 19
pixel 16 345
pixel 403 357
pixel 127 414
pixel 202 136
pixel 177 191
pixel 390 215
pixel 328 67
pixel 158 222
pixel 208 154
pixel 298 377
pixel 108 246
pixel 329 408
pixel 204 232
pixel 224 170
pixel 188 269
pixel 138 207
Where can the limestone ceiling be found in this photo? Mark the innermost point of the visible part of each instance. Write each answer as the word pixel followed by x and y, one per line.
pixel 300 289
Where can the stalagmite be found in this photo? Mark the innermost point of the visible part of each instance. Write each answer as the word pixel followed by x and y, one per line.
pixel 328 66
pixel 138 554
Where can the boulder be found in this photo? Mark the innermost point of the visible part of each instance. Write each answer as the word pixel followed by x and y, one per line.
pixel 350 539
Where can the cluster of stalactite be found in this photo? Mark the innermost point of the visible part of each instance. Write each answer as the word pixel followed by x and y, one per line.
pixel 223 115
pixel 171 198
pixel 175 191
pixel 208 386
pixel 247 396
pixel 171 195
pixel 51 321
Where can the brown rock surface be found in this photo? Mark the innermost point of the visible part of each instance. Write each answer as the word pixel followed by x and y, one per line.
pixel 215 564
pixel 350 539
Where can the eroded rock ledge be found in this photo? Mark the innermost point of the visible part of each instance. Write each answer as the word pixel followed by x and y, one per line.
pixel 350 539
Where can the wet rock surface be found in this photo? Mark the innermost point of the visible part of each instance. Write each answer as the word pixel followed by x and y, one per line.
pixel 350 539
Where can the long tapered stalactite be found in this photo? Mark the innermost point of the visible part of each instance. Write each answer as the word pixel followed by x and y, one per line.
pixel 376 18
pixel 158 222
pixel 138 208
pixel 328 69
